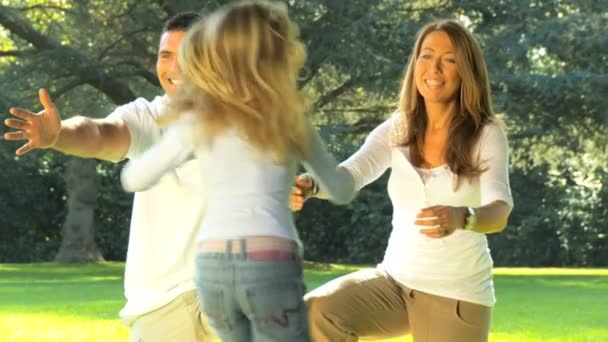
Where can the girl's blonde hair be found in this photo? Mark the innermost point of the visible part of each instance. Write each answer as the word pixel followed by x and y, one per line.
pixel 474 102
pixel 240 67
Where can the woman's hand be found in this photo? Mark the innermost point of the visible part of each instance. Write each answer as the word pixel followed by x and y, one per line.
pixel 440 220
pixel 301 191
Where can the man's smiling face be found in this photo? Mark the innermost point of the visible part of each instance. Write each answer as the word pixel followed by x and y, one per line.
pixel 167 68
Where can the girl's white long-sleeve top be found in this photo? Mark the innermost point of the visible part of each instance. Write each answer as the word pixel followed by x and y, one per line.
pixel 246 192
pixel 458 266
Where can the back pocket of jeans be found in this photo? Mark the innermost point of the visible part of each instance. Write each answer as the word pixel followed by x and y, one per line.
pixel 278 310
pixel 213 305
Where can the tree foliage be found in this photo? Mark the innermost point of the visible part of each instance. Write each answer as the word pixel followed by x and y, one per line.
pixel 548 70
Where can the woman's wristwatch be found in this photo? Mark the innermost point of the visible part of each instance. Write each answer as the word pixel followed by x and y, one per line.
pixel 470 219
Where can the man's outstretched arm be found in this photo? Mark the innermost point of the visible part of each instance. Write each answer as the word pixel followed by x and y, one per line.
pixel 107 139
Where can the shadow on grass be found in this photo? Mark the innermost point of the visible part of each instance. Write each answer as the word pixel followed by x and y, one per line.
pixel 41 271
pixel 533 304
pixel 82 290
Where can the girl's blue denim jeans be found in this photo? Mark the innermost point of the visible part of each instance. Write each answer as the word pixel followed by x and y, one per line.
pixel 248 299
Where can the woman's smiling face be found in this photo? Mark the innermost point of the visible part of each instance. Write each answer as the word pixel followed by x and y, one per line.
pixel 436 73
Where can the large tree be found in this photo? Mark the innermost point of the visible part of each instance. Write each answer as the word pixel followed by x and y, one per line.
pixel 548 67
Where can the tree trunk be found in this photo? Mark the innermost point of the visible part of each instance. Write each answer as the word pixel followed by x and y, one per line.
pixel 78 243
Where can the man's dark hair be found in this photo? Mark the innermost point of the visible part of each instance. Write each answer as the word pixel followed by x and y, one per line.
pixel 181 21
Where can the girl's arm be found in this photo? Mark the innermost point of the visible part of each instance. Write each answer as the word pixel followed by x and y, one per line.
pixel 145 171
pixel 367 164
pixel 337 184
pixel 364 166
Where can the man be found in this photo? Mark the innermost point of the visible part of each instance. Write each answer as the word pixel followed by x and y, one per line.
pixel 162 304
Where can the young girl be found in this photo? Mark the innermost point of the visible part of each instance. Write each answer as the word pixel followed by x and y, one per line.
pixel 240 112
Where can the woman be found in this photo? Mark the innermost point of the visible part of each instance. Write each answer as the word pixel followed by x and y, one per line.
pixel 239 110
pixel 449 186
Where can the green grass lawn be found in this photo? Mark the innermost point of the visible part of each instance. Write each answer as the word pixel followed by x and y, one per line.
pixel 50 302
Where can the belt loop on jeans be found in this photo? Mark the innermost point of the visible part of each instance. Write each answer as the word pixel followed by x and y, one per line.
pixel 229 248
pixel 243 249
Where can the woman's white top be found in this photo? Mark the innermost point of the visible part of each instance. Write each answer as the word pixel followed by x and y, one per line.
pixel 459 265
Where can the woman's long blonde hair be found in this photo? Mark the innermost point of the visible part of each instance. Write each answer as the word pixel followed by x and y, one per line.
pixel 474 103
pixel 240 67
